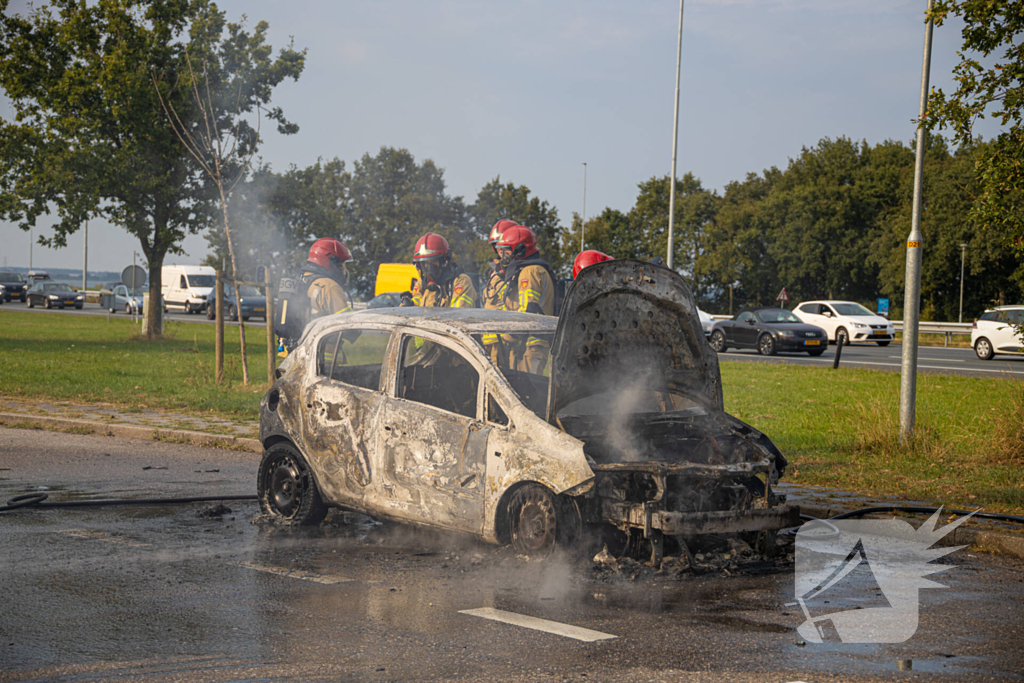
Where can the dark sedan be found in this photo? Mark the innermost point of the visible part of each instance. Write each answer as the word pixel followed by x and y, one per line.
pixel 253 304
pixel 769 330
pixel 12 286
pixel 50 294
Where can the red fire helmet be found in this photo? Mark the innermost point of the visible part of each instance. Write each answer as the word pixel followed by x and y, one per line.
pixel 431 247
pixel 588 258
pixel 520 239
pixel 329 253
pixel 499 228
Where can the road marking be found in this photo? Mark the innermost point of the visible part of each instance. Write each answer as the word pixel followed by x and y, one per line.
pixel 559 629
pixel 100 536
pixel 326 579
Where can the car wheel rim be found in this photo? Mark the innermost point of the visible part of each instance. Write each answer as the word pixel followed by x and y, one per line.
pixel 983 348
pixel 537 522
pixel 766 345
pixel 285 487
pixel 716 341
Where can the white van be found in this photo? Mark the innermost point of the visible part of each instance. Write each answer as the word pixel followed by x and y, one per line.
pixel 187 287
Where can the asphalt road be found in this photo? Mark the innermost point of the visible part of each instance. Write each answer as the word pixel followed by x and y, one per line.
pixel 160 593
pixel 96 309
pixel 930 359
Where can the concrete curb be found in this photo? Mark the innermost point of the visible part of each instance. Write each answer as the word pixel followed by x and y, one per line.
pixel 982 540
pixel 64 424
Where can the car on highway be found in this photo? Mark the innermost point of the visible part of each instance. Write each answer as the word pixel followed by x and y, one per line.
pixel 122 299
pixel 252 304
pixel 769 330
pixel 706 322
pixel 50 294
pixel 999 330
pixel 12 286
pixel 400 413
pixel 846 320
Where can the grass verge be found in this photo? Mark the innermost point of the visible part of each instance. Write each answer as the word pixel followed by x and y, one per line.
pixel 838 428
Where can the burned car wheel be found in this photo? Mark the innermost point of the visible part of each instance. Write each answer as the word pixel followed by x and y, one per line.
pixel 533 519
pixel 286 489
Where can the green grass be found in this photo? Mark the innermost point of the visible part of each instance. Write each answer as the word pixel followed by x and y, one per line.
pixel 89 359
pixel 838 428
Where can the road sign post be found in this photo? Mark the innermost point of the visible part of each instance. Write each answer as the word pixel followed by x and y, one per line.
pixel 782 298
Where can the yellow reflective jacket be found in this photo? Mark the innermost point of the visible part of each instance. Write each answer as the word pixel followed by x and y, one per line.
pixel 459 293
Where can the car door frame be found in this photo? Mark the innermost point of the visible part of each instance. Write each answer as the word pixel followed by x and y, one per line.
pixel 744 333
pixel 1006 339
pixel 439 501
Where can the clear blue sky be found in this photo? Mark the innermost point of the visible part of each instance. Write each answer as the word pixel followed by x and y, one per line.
pixel 531 89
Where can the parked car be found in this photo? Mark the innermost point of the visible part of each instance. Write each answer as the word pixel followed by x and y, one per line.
pixel 253 303
pixel 400 413
pixel 12 286
pixel 128 301
pixel 51 294
pixel 769 330
pixel 998 330
pixel 846 320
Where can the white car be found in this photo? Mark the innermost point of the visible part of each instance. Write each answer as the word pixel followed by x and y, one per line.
pixel 999 331
pixel 846 320
pixel 706 322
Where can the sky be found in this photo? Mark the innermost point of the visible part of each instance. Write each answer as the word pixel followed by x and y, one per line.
pixel 530 90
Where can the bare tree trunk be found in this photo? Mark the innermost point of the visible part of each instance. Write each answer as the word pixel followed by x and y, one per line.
pixel 155 312
pixel 234 276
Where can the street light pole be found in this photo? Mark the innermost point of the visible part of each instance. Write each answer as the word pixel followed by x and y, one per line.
pixel 912 295
pixel 583 224
pixel 31 237
pixel 675 142
pixel 85 255
pixel 963 255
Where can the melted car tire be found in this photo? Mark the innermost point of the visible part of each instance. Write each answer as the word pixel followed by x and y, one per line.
pixel 766 345
pixel 538 520
pixel 718 341
pixel 286 489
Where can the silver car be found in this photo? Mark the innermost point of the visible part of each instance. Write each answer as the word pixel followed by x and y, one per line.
pixel 128 301
pixel 401 413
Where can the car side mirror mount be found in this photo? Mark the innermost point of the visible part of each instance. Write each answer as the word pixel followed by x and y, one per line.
pixel 750 322
pixel 827 314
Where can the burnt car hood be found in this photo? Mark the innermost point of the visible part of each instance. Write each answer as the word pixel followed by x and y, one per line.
pixel 633 377
pixel 628 325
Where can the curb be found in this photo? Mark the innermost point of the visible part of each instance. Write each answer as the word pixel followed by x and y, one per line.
pixel 999 542
pixel 65 424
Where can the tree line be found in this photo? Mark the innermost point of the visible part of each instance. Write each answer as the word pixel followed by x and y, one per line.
pixel 832 224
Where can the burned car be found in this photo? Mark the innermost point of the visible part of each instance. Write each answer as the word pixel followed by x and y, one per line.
pixel 401 413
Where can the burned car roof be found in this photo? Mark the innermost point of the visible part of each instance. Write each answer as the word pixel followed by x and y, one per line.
pixel 467 320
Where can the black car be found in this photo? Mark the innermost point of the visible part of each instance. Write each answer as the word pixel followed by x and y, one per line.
pixel 769 330
pixel 12 286
pixel 253 304
pixel 54 295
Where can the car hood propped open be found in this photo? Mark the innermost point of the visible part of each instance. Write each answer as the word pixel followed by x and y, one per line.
pixel 629 326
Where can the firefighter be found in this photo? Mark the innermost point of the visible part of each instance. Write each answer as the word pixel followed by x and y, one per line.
pixel 494 293
pixel 327 276
pixel 442 283
pixel 529 288
pixel 588 258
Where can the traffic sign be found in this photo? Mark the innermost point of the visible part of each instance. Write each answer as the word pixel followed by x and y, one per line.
pixel 133 276
pixel 782 295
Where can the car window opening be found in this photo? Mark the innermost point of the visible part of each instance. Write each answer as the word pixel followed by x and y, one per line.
pixel 495 413
pixel 436 375
pixel 531 388
pixel 353 356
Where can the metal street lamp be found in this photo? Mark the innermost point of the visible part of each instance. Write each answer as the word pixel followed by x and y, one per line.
pixel 675 142
pixel 963 255
pixel 583 224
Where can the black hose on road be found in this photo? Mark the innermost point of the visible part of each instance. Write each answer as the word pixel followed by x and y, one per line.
pixel 36 500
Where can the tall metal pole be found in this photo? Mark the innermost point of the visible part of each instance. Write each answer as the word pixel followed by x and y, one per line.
pixel 912 296
pixel 675 142
pixel 583 225
pixel 31 238
pixel 963 255
pixel 85 255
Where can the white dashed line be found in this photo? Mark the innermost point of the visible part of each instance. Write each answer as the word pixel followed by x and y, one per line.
pixel 326 579
pixel 559 629
pixel 100 536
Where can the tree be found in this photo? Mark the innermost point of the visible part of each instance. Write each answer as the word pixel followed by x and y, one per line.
pixel 991 27
pixel 496 201
pixel 393 201
pixel 90 137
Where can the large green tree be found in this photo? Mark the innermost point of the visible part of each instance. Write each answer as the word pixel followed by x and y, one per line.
pixel 990 82
pixel 91 136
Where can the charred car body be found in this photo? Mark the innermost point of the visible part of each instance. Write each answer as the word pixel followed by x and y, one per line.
pixel 400 413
